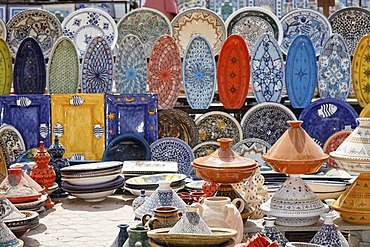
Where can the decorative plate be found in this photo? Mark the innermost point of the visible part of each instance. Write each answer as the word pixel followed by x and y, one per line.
pixel 253 148
pixel 2 29
pixel 361 71
pixel 5 68
pixel 3 150
pixel 91 180
pixel 147 24
pixel 177 123
pixel 183 5
pixel 199 73
pixel 332 143
pixel 30 115
pixel 334 69
pixel 351 23
pixel 95 166
pixel 131 72
pixel 307 22
pixel 63 69
pixel 97 67
pixel 83 25
pixel 37 23
pixel 324 117
pixel 301 72
pixel 13 142
pixel 29 75
pixel 152 180
pixel 195 185
pixel 78 120
pixel 205 148
pixel 226 8
pixel 198 21
pixel 127 147
pixel 365 112
pixel 266 121
pixel 252 22
pixel 268 74
pixel 173 149
pixel 233 72
pixel 216 124
pixel 149 167
pixel 165 72
pixel 131 113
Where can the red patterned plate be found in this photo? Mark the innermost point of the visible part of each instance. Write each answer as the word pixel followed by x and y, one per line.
pixel 333 142
pixel 233 72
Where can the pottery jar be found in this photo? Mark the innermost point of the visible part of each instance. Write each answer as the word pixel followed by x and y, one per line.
pixel 163 217
pixel 137 237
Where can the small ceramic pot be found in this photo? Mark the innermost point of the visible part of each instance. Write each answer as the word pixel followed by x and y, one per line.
pixel 163 217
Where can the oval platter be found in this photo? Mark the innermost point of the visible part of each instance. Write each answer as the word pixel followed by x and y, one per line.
pixel 301 72
pixel 130 71
pixel 361 70
pixel 5 68
pixel 97 67
pixel 332 143
pixel 63 69
pixel 13 142
pixel 29 75
pixel 199 73
pixel 334 69
pixel 165 72
pixel 233 72
pixel 268 74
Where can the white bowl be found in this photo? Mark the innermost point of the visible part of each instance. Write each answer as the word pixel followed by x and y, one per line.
pixel 91 180
pixel 326 186
pixel 95 196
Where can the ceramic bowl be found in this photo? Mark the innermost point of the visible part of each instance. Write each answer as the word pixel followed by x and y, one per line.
pixel 323 186
pixel 330 195
pixel 95 196
pixel 136 192
pixel 91 180
pixel 152 180
pixel 96 166
pixel 117 182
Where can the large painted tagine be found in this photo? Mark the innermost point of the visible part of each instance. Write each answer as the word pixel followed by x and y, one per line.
pixel 354 155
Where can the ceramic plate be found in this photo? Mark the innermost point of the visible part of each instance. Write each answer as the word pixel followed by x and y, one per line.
pixel 92 166
pixel 3 150
pixel 136 192
pixel 266 121
pixel 334 69
pixel 3 165
pixel 147 24
pixel 308 22
pixel 130 71
pixel 173 149
pixel 6 73
pixel 205 148
pixel 131 113
pixel 83 25
pixel 226 8
pixel 196 185
pixel 324 117
pixel 2 29
pixel 21 206
pixel 92 180
pixel 152 180
pixel 29 75
pixel 177 123
pixel 199 73
pixel 183 5
pixel 253 148
pixel 63 70
pixel 90 174
pixel 149 167
pixel 37 23
pixel 351 23
pixel 332 143
pixel 216 124
pixel 268 70
pixel 198 21
pixel 251 22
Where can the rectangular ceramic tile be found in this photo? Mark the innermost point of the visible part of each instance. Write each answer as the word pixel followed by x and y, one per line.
pixel 78 119
pixel 30 115
pixel 131 113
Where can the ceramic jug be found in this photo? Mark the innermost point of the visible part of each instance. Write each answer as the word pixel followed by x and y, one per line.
pixel 122 236
pixel 137 237
pixel 163 217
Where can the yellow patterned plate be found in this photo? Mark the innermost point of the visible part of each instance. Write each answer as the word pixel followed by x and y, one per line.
pixel 365 112
pixel 78 120
pixel 5 68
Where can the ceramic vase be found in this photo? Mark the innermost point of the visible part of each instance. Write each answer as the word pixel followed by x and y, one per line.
pixel 270 231
pixel 138 201
pixel 163 217
pixel 137 237
pixel 122 236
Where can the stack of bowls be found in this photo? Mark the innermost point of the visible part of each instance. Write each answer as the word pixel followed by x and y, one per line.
pixel 93 182
pixel 325 189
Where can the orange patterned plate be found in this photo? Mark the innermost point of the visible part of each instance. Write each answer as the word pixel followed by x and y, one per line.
pixel 333 142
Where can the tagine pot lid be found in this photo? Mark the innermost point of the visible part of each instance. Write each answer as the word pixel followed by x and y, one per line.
pixel 295 152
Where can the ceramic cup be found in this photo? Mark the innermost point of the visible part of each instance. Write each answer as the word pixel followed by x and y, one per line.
pixel 163 217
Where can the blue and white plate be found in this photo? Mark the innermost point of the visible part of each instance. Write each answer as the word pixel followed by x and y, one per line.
pixel 324 117
pixel 199 73
pixel 253 148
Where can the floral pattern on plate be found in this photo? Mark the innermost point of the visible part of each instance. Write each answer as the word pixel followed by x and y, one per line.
pixel 183 5
pixel 13 142
pixel 205 148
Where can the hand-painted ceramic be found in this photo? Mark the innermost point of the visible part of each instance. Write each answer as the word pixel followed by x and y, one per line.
pixel 198 21
pixel 177 123
pixel 361 71
pixel 130 71
pixel 3 166
pixel 199 73
pixel 78 120
pixel 29 75
pixel 226 8
pixel 365 113
pixel 334 69
pixel 37 23
pixel 252 148
pixel 5 68
pixel 324 117
pixel 13 141
pixel 268 74
pixel 131 113
pixel 266 121
pixel 94 166
pixel 152 180
pixel 308 22
pixel 2 29
pixel 97 67
pixel 251 22
pixel 63 69
pixel 183 5
pixel 351 23
pixel 216 124
pixel 332 143
pixel 233 72
pixel 83 25
pixel 147 24
pixel 205 148
pixel 301 72
pixel 173 149
pixel 30 115
pixel 165 72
